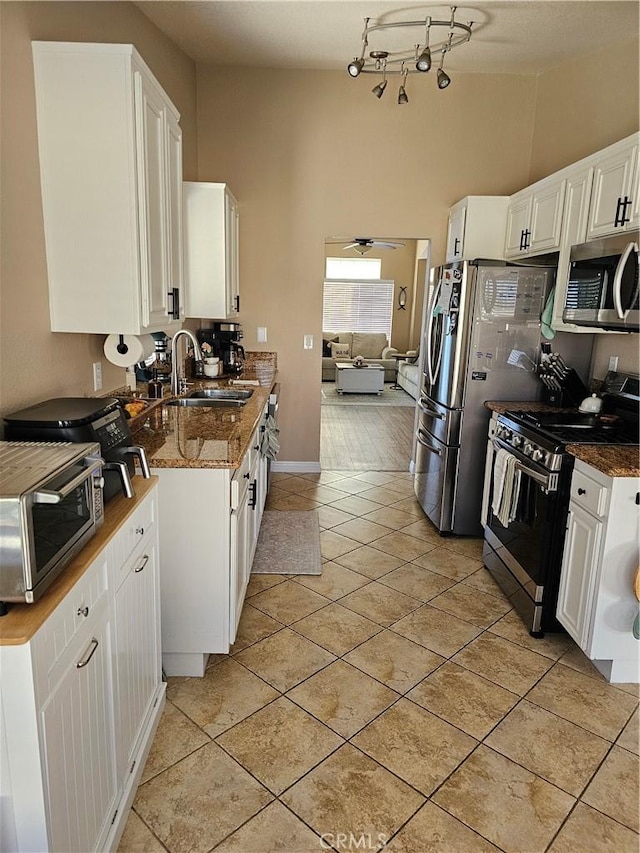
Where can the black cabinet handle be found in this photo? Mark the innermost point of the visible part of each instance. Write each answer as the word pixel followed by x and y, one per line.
pixel 626 202
pixel 527 234
pixel 521 240
pixel 455 245
pixel 253 489
pixel 582 491
pixel 237 301
pixel 174 295
pixel 637 498
pixel 619 220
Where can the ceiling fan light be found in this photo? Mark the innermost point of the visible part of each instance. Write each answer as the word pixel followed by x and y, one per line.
pixel 355 66
pixel 443 79
pixel 423 62
pixel 378 90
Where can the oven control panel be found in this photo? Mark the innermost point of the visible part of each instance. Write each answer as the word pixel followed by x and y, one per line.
pixel 527 446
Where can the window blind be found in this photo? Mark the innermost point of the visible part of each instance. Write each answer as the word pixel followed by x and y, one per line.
pixel 357 306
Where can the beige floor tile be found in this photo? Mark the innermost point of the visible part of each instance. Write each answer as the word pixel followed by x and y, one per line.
pixel 273 829
pixel 176 737
pixel 334 582
pixel 334 545
pixel 402 545
pixel 433 830
pixel 324 494
pixel 350 793
pixel 630 736
pixel 576 659
pixel 254 626
pixel 472 605
pixel 403 485
pixel 512 628
pixel 362 530
pixel 436 630
pixel 422 528
pixel 376 478
pixel 512 667
pixel 284 659
pixel 343 697
pixel 391 517
pixel 337 628
pixel 587 702
pixel 351 485
pixel 329 517
pixel 380 603
pixel 325 476
pixel 382 495
pixel 418 582
pixel 559 751
pixel 415 745
pixel 357 506
pixel 282 728
pixel 614 790
pixel 449 563
pixel 370 562
pixel 295 484
pixel 292 503
pixel 505 803
pixel 177 804
pixel 408 505
pixel 483 580
pixel 470 547
pixel 588 831
pixel 258 583
pixel 138 838
pixel 227 694
pixel 278 477
pixel 288 602
pixel 397 662
pixel 464 699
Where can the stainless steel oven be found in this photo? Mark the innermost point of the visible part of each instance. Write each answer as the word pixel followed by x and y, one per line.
pixel 50 506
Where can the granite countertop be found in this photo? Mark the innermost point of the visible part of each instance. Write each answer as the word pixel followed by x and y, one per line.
pixel 201 437
pixel 614 460
pixel 502 406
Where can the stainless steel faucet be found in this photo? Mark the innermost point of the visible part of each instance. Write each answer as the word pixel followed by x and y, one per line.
pixel 176 378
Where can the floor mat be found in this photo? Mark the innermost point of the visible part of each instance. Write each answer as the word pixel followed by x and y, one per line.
pixel 288 544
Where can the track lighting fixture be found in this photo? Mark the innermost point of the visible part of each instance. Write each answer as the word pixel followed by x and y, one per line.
pixel 417 59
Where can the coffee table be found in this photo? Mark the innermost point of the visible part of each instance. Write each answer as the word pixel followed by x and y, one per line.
pixel 359 380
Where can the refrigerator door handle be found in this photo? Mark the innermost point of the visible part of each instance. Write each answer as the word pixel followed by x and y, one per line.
pixel 426 408
pixel 427 445
pixel 432 370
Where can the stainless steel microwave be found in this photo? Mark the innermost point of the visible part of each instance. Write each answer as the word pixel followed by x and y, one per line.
pixel 602 288
pixel 50 506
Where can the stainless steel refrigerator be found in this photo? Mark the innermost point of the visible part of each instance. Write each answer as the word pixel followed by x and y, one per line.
pixel 481 342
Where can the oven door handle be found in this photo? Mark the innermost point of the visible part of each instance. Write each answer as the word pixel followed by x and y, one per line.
pixel 549 482
pixel 45 496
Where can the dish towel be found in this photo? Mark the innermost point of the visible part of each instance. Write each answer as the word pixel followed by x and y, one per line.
pixel 547 316
pixel 269 443
pixel 506 487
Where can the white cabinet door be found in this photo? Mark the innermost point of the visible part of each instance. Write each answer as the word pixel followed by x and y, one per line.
pixel 518 218
pixel 211 247
pixel 579 566
pixel 534 219
pixel 137 649
pixel 109 164
pixel 455 235
pixel 175 259
pixel 79 744
pixel 614 202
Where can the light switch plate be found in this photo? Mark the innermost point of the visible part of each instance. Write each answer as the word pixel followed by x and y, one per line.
pixel 613 362
pixel 308 342
pixel 262 334
pixel 97 375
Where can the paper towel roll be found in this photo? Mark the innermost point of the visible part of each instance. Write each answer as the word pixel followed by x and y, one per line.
pixel 137 349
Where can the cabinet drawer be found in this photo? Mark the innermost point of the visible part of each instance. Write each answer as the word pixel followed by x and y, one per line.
pixel 589 494
pixel 131 534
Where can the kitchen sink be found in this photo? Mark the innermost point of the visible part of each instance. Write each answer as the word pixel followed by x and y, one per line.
pixel 220 394
pixel 205 402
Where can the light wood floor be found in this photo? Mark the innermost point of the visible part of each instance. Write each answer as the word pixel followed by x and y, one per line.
pixel 359 438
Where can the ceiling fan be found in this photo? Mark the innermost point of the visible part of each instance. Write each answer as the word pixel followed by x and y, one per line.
pixel 362 245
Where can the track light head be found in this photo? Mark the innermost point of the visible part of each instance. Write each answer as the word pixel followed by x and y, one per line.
pixel 423 62
pixel 378 90
pixel 443 79
pixel 402 96
pixel 355 66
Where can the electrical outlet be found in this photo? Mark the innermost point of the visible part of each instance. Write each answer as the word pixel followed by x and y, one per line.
pixel 97 375
pixel 308 342
pixel 613 362
pixel 262 334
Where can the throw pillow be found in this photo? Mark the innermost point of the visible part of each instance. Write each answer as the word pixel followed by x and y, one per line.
pixel 339 351
pixel 326 348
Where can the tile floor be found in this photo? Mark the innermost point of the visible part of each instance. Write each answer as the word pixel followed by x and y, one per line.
pixel 396 698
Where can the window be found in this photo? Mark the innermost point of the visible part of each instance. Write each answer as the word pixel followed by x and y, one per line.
pixel 357 306
pixel 358 268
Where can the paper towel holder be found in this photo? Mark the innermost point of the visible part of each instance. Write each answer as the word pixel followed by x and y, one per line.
pixel 122 348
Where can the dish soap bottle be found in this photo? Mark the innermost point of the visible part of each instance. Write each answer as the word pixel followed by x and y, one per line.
pixel 154 388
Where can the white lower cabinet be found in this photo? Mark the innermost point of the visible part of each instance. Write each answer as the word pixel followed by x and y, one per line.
pixel 81 700
pixel 596 603
pixel 209 525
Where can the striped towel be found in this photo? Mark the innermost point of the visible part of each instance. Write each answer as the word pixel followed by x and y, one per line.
pixel 506 487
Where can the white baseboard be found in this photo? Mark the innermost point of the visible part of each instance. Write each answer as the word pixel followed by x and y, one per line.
pixel 296 467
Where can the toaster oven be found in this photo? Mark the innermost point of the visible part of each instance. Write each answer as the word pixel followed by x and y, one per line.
pixel 50 506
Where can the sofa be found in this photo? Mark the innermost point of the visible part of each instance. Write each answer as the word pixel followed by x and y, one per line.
pixel 345 346
pixel 409 376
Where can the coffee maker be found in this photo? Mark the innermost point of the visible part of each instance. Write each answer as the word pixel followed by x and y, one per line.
pixel 224 339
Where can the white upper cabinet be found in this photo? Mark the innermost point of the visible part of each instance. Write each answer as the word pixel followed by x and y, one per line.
pixel 476 226
pixel 534 219
pixel 111 171
pixel 615 202
pixel 211 222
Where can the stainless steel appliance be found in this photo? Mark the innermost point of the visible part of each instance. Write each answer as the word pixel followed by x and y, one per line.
pixel 602 289
pixel 481 342
pixel 50 506
pixel 82 419
pixel 523 551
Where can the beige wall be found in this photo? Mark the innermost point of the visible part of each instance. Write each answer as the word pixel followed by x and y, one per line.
pixel 34 362
pixel 315 154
